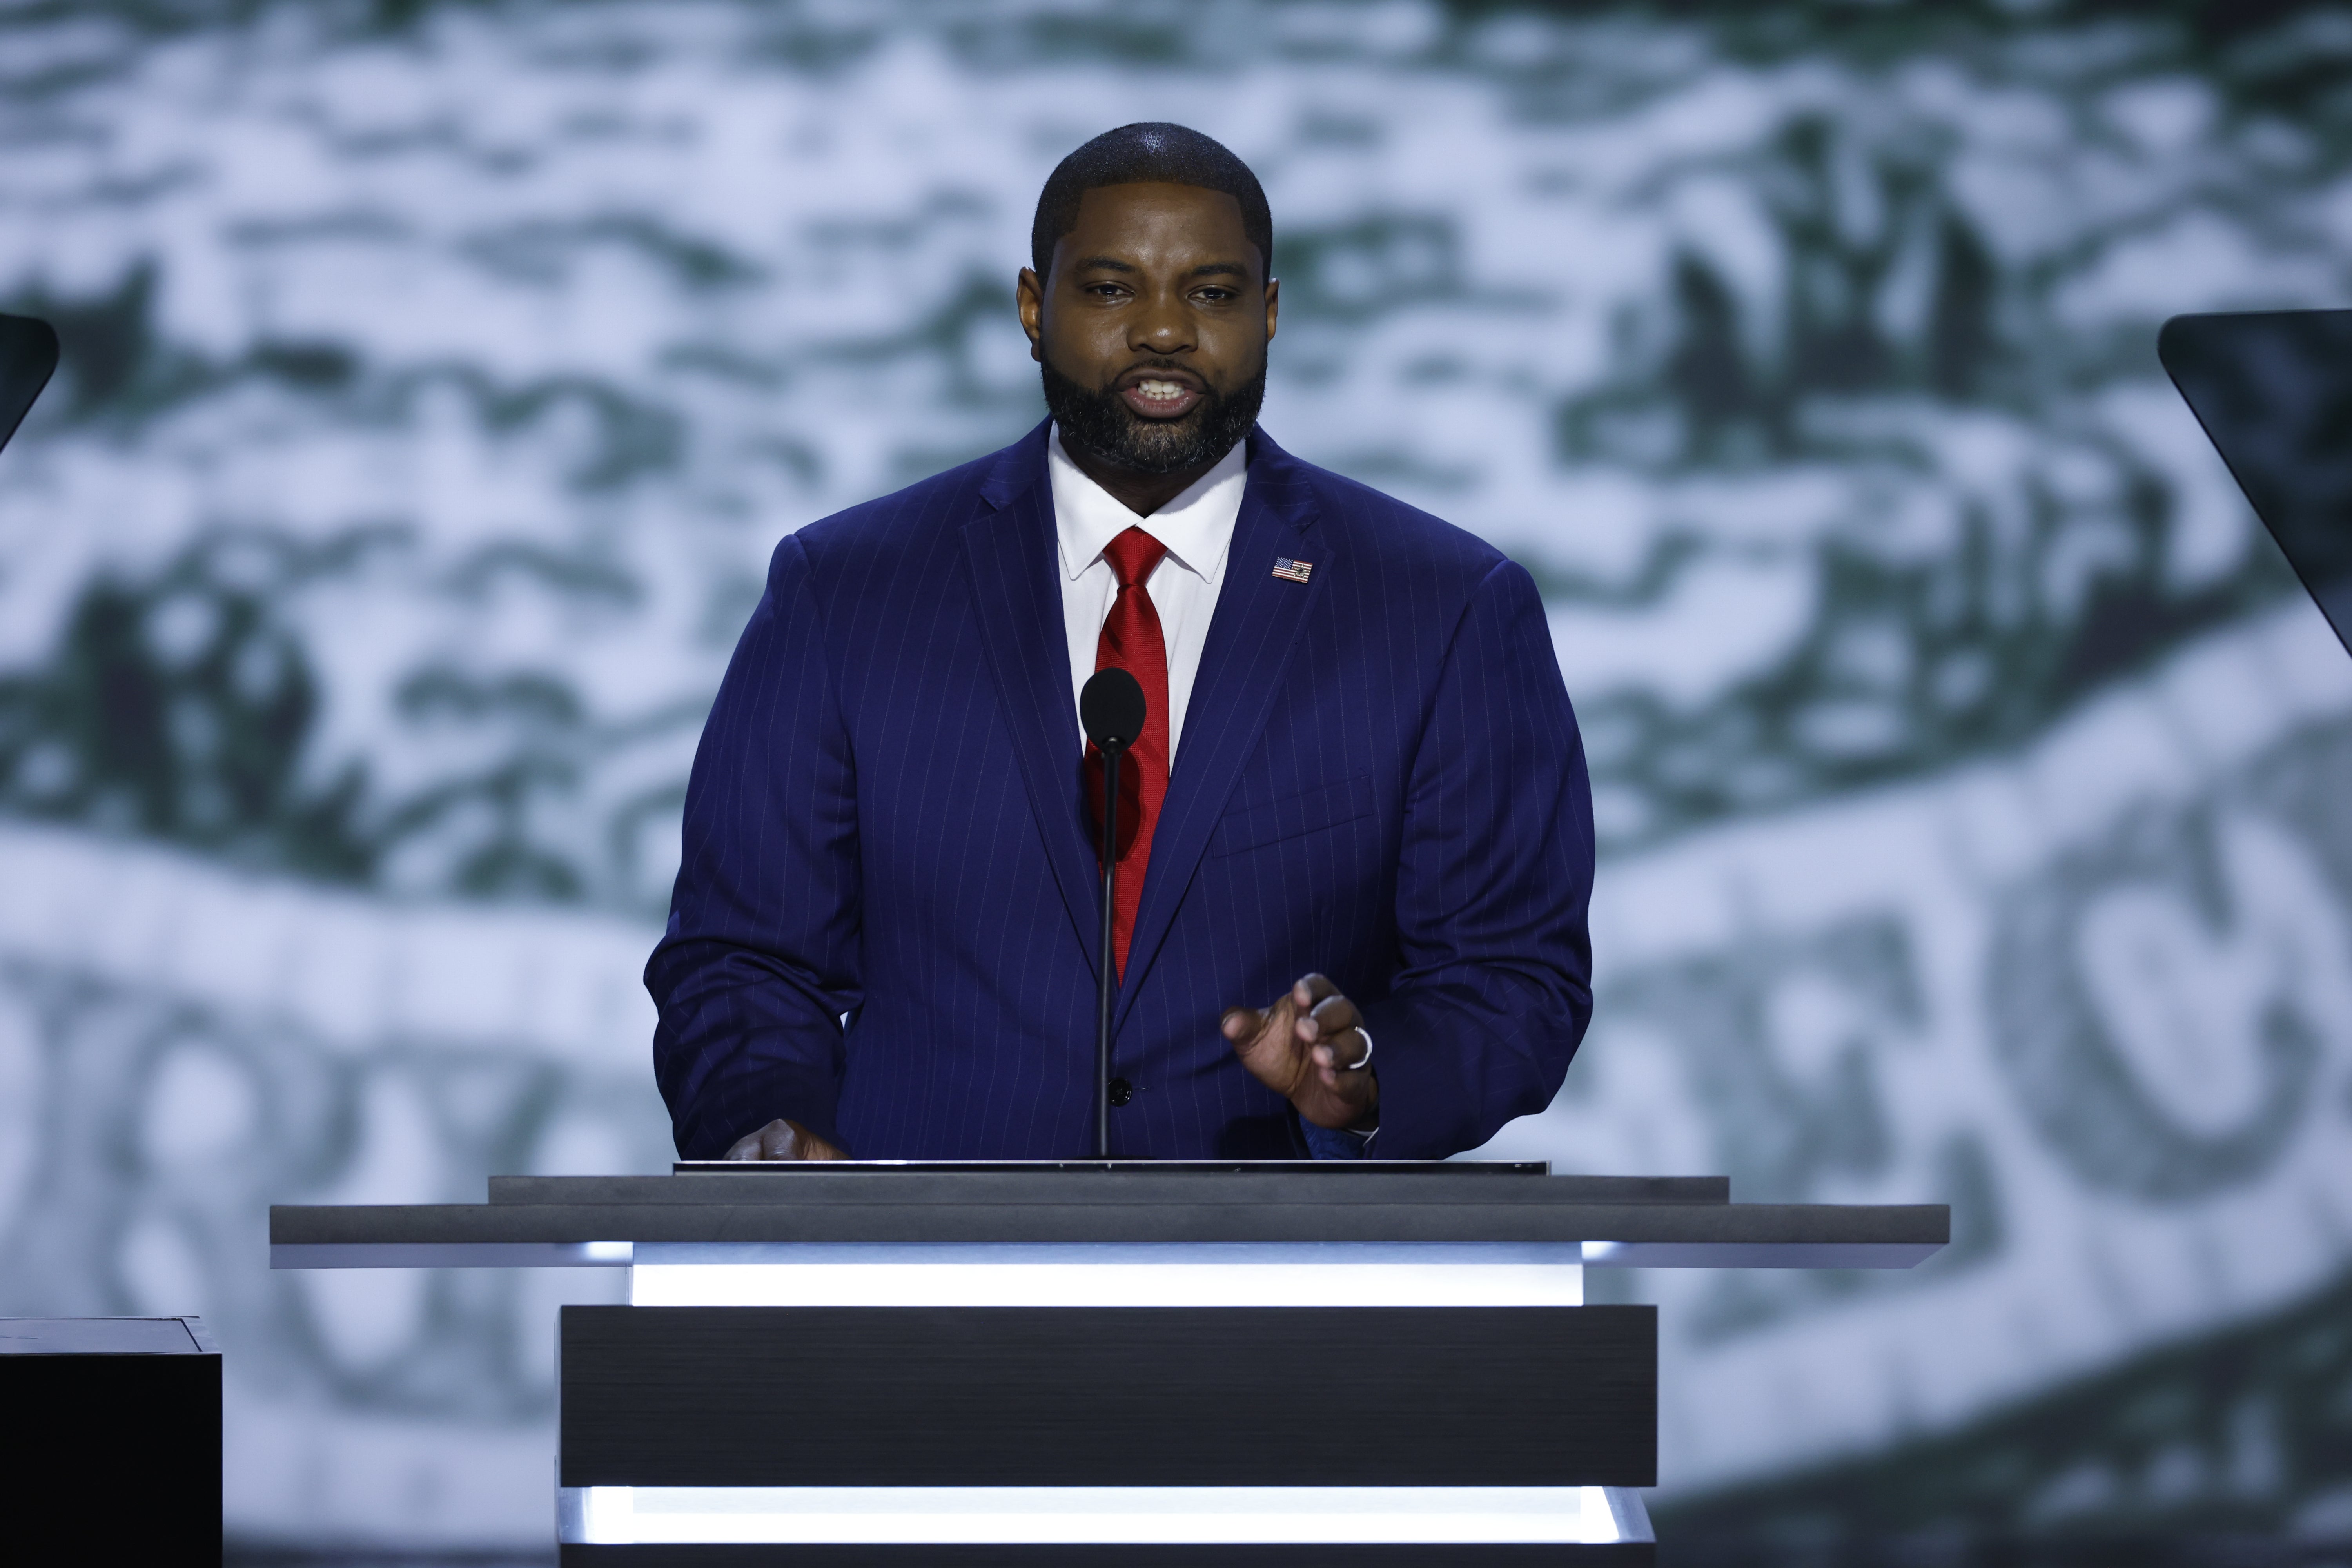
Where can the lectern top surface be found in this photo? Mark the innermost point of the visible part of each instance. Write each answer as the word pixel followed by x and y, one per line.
pixel 97 1336
pixel 1456 1169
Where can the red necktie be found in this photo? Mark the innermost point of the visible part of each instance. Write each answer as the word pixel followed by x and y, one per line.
pixel 1131 640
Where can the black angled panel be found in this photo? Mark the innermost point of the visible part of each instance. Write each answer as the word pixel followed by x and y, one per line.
pixel 28 354
pixel 1113 1396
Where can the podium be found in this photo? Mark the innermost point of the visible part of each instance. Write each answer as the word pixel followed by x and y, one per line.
pixel 1091 1363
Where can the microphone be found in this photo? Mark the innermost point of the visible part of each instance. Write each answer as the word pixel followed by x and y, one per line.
pixel 1112 709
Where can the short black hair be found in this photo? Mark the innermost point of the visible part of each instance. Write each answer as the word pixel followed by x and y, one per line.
pixel 1150 152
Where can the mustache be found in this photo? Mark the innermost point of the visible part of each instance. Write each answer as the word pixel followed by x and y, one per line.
pixel 1186 371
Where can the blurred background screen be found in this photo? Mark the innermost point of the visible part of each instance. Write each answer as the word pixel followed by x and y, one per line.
pixel 1975 784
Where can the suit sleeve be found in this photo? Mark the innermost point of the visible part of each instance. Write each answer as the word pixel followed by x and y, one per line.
pixel 1493 888
pixel 760 959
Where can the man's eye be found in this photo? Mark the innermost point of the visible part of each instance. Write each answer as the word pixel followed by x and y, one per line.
pixel 1215 296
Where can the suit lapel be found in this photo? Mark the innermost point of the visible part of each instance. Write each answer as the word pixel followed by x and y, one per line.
pixel 1251 639
pixel 1010 552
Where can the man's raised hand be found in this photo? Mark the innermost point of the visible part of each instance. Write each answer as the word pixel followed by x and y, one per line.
pixel 782 1140
pixel 1308 1048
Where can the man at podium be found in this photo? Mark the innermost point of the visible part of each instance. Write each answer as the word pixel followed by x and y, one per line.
pixel 1355 851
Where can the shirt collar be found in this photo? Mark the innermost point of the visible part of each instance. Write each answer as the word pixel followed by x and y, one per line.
pixel 1197 527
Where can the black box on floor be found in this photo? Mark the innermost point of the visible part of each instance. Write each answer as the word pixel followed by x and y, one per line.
pixel 110 1438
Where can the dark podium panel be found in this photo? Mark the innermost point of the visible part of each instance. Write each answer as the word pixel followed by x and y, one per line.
pixel 110 1439
pixel 1128 1396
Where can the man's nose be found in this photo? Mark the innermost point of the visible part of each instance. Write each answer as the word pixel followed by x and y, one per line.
pixel 1162 326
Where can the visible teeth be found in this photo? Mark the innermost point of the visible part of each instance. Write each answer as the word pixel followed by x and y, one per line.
pixel 1160 391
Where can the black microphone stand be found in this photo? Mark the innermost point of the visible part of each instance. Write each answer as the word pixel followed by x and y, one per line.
pixel 1106 978
pixel 1112 712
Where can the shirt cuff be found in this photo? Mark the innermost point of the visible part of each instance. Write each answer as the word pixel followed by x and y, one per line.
pixel 1337 1142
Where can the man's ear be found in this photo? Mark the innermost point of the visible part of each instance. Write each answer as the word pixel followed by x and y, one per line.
pixel 1273 305
pixel 1029 295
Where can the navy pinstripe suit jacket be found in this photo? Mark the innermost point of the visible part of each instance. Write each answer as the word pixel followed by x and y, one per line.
pixel 1379 778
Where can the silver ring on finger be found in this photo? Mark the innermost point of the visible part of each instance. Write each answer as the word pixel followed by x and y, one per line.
pixel 1366 1060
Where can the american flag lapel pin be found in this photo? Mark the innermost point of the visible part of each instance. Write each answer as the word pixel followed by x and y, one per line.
pixel 1291 570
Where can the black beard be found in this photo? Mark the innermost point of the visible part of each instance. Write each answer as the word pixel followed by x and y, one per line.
pixel 1110 431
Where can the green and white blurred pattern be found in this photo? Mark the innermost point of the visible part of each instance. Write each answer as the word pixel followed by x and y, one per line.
pixel 1976 788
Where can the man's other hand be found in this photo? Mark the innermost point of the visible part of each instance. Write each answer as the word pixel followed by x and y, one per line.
pixel 782 1140
pixel 1306 1047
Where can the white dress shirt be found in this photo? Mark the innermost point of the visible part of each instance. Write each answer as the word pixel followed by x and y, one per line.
pixel 1197 527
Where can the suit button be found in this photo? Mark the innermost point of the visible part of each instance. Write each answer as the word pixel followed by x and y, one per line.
pixel 1122 1091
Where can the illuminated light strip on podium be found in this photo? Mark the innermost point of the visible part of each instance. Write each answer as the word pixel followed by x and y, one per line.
pixel 967 1274
pixel 1136 1516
